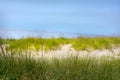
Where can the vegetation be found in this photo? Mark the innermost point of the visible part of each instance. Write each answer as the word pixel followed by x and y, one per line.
pixel 72 68
pixel 80 43
pixel 36 44
pixel 83 43
pixel 1 41
pixel 2 51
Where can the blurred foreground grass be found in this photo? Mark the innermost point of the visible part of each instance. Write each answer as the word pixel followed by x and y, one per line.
pixel 71 68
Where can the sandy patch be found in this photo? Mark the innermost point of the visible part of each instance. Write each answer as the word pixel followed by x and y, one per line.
pixel 67 51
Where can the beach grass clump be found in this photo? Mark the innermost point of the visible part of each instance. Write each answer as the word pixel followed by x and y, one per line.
pixel 83 43
pixel 115 41
pixel 71 68
pixel 28 43
pixel 36 44
pixel 47 44
pixel 2 41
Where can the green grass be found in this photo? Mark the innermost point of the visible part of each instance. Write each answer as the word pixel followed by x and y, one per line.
pixel 36 44
pixel 72 68
pixel 80 43
pixel 2 41
pixel 83 43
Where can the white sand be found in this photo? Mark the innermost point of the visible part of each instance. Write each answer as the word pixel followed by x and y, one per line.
pixel 67 51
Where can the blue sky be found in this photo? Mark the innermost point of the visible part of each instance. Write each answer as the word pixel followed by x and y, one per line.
pixel 100 17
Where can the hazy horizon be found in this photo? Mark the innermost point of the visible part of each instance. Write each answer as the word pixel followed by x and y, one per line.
pixel 97 17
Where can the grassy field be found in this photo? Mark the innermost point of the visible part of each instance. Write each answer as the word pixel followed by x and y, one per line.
pixel 80 43
pixel 72 68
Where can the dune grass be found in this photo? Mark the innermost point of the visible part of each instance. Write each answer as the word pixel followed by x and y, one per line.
pixel 36 44
pixel 71 68
pixel 83 43
pixel 2 41
pixel 80 43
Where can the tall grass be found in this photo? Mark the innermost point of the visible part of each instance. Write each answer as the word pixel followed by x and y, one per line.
pixel 36 44
pixel 1 41
pixel 72 68
pixel 80 43
pixel 83 43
